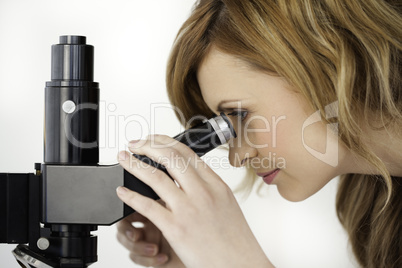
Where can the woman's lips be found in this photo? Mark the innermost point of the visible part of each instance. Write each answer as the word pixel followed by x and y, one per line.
pixel 269 176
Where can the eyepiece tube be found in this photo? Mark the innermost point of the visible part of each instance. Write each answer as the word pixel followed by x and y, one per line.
pixel 209 135
pixel 201 138
pixel 72 59
pixel 72 105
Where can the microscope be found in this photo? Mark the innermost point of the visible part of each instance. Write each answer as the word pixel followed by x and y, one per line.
pixel 52 212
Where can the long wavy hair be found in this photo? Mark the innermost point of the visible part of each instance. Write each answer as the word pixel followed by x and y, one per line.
pixel 329 50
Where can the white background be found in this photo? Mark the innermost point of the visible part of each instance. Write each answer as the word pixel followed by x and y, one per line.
pixel 132 40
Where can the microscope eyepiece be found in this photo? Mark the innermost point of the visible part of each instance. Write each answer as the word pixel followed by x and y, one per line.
pixel 201 138
pixel 72 40
pixel 72 59
pixel 209 135
pixel 223 128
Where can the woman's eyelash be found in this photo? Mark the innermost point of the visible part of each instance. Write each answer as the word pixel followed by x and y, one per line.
pixel 241 114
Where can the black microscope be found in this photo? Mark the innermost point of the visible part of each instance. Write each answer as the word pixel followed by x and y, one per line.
pixel 51 213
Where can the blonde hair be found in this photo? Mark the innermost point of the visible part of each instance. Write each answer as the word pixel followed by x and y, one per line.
pixel 329 50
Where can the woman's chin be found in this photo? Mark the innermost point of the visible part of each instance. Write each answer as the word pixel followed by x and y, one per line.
pixel 293 195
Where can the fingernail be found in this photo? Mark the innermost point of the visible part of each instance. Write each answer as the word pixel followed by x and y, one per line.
pixel 122 155
pixel 121 190
pixel 150 249
pixel 243 161
pixel 130 235
pixel 132 143
pixel 162 258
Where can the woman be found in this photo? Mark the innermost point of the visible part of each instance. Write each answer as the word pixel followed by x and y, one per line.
pixel 296 65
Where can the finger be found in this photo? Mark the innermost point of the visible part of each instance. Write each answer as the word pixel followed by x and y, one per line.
pixel 153 177
pixel 138 218
pixel 146 206
pixel 152 234
pixel 149 261
pixel 202 168
pixel 140 248
pixel 170 142
pixel 184 150
pixel 126 228
pixel 179 166
pixel 187 155
pixel 143 248
pixel 125 241
pixel 167 144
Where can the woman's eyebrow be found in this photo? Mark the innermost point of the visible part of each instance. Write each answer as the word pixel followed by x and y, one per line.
pixel 221 103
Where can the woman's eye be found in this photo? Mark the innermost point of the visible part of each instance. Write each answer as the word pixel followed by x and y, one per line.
pixel 239 114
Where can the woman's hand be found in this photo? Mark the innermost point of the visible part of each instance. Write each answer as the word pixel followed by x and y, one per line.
pixel 201 221
pixel 146 244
